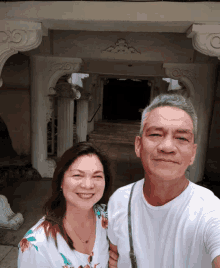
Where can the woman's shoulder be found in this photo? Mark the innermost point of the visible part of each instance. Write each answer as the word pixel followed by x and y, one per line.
pixel 33 236
pixel 102 214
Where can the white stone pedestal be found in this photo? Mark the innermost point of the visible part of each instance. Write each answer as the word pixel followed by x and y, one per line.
pixel 8 219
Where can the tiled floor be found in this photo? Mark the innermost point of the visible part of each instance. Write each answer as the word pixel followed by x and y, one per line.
pixel 8 256
pixel 30 196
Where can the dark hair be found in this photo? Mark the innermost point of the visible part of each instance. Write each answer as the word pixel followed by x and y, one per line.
pixel 55 207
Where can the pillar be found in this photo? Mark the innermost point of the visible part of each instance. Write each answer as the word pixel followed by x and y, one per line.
pixel 45 72
pixel 66 95
pixel 82 117
pixel 65 125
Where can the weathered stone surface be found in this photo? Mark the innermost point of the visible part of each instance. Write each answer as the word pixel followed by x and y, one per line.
pixel 8 219
pixel 9 175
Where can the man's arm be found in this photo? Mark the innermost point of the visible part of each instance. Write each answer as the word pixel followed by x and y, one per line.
pixel 113 256
pixel 216 262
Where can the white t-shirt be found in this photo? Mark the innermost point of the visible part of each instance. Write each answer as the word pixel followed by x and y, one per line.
pixel 35 251
pixel 184 233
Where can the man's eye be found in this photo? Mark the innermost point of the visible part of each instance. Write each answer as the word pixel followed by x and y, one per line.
pixel 155 134
pixel 98 176
pixel 76 175
pixel 182 138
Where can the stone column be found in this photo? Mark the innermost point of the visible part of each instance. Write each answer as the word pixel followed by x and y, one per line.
pixel 45 72
pixel 66 95
pixel 65 125
pixel 199 82
pixel 82 117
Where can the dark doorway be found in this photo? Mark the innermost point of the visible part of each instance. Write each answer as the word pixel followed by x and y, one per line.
pixel 122 99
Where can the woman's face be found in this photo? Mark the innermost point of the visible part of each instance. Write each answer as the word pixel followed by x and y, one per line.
pixel 84 182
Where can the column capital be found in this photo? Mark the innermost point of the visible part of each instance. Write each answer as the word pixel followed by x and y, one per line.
pixel 205 39
pixel 18 36
pixel 66 90
pixel 86 96
pixel 184 73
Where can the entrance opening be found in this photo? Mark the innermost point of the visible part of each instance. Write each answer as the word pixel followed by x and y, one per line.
pixel 123 99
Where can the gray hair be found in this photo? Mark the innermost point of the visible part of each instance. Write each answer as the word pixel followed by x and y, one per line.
pixel 172 100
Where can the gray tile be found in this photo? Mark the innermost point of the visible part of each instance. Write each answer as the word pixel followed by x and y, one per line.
pixel 4 251
pixel 10 261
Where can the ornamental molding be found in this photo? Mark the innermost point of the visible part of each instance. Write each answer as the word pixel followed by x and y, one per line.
pixel 184 73
pixel 205 39
pixel 18 36
pixel 121 47
pixel 58 69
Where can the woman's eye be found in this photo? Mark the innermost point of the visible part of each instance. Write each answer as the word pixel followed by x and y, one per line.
pixel 98 176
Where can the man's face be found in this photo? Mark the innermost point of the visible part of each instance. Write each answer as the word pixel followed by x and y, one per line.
pixel 166 147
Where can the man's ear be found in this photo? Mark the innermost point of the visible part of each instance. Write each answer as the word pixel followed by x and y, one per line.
pixel 137 145
pixel 193 154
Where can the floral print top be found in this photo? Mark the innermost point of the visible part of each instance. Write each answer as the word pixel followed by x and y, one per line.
pixel 36 251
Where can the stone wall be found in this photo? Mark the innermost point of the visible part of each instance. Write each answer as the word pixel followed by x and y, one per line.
pixel 212 167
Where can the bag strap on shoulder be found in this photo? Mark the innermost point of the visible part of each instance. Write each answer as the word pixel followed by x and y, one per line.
pixel 132 255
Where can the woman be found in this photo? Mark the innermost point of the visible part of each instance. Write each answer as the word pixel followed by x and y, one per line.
pixel 73 231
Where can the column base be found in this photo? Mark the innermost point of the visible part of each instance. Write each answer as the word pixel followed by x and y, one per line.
pixel 8 219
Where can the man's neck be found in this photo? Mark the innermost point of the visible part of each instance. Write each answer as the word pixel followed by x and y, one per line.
pixel 160 192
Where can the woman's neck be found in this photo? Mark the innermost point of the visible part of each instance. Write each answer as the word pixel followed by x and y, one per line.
pixel 78 217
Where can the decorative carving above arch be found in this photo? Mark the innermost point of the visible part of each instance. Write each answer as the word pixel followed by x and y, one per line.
pixel 17 36
pixel 184 73
pixel 121 47
pixel 205 39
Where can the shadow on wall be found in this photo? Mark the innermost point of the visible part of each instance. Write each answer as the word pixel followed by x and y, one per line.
pixel 7 151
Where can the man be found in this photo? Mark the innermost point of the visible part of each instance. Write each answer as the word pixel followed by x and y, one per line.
pixel 175 223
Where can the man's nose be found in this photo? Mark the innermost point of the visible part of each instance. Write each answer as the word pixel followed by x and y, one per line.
pixel 167 145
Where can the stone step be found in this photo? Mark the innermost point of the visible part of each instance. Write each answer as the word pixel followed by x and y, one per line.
pixel 112 141
pixel 118 125
pixel 111 136
pixel 115 132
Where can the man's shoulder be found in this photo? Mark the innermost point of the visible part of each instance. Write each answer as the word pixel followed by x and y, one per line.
pixel 205 197
pixel 122 194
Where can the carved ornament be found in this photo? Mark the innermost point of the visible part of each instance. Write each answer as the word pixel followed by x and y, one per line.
pixel 184 73
pixel 58 69
pixel 121 47
pixel 14 37
pixel 205 39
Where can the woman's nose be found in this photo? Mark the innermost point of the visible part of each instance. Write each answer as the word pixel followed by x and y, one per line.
pixel 87 182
